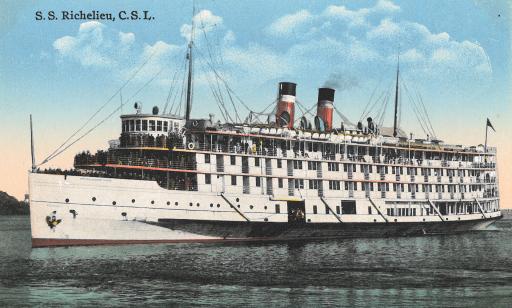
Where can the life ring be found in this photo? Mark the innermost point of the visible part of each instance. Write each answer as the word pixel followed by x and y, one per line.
pixel 191 146
pixel 195 123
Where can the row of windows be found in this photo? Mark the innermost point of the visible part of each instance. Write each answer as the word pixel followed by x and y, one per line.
pixel 148 125
pixel 402 212
pixel 350 185
pixel 333 166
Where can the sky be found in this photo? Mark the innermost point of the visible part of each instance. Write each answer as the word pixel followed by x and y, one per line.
pixel 455 55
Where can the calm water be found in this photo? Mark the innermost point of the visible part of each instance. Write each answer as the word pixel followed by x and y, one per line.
pixel 459 270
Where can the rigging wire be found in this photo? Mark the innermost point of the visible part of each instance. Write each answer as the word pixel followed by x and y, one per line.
pixel 102 121
pixel 101 108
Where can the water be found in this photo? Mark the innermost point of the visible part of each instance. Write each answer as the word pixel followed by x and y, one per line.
pixel 473 269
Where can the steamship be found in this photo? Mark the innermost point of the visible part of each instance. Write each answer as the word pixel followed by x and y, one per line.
pixel 170 179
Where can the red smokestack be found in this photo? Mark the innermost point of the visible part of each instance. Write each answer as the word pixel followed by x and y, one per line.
pixel 286 104
pixel 325 106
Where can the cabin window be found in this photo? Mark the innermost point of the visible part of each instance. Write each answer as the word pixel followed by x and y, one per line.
pixel 370 210
pixel 137 125
pixel 326 209
pixel 151 125
pixel 315 209
pixel 313 184
pixel 299 183
pixel 233 180
pixel 348 207
pixel 233 160
pixel 206 158
pixel 258 181
pixel 207 178
pixel 257 162
pixel 280 183
pixel 338 209
pixel 278 209
pixel 166 126
pixel 144 125
pixel 279 163
pixel 132 125
pixel 159 126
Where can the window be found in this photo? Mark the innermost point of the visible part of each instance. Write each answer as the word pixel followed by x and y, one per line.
pixel 279 163
pixel 137 125
pixel 298 183
pixel 207 178
pixel 297 164
pixel 327 210
pixel 152 125
pixel 206 158
pixel 334 185
pixel 313 184
pixel 334 167
pixel 258 181
pixel 338 209
pixel 278 209
pixel 145 125
pixel 166 126
pixel 315 209
pixel 348 207
pixel 132 125
pixel 369 210
pixel 257 162
pixel 159 126
pixel 233 160
pixel 233 180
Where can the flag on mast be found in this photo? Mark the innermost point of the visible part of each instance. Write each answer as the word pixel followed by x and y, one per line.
pixel 490 125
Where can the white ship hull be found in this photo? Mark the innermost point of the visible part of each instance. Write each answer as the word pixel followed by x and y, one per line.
pixel 74 210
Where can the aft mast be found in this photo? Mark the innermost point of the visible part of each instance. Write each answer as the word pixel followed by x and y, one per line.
pixel 190 92
pixel 395 128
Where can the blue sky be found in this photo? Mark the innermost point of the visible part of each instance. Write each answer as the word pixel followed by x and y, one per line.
pixel 455 53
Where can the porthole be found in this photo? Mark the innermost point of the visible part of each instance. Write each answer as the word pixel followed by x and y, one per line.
pixel 459 218
pixel 197 204
pixel 168 202
pixel 251 207
pixel 133 200
pixel 309 220
pixel 446 218
pixel 238 206
pixel 211 204
pixel 265 207
pixel 218 205
pixel 266 219
pixel 237 199
pixel 375 220
pixel 67 200
pixel 152 201
pixel 93 199
pixel 395 219
pixel 190 204
pixel 423 219
pixel 176 203
pixel 113 203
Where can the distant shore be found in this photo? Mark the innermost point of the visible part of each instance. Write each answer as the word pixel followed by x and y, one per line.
pixel 9 205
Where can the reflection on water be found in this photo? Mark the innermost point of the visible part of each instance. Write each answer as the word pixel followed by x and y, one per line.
pixel 457 270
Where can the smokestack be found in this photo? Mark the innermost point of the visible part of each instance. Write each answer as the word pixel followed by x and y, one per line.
pixel 286 104
pixel 325 106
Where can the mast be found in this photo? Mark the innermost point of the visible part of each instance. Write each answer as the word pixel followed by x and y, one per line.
pixel 395 128
pixel 32 146
pixel 190 92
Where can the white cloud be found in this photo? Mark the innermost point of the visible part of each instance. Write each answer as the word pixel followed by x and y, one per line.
pixel 88 46
pixel 126 38
pixel 386 6
pixel 288 23
pixel 386 29
pixel 354 18
pixel 411 55
pixel 205 21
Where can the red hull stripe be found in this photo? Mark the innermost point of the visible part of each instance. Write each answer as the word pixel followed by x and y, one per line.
pixel 48 242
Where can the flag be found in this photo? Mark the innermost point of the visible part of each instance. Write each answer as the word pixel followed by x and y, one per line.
pixel 489 124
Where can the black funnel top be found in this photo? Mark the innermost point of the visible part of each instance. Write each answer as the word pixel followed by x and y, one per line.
pixel 287 88
pixel 326 94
